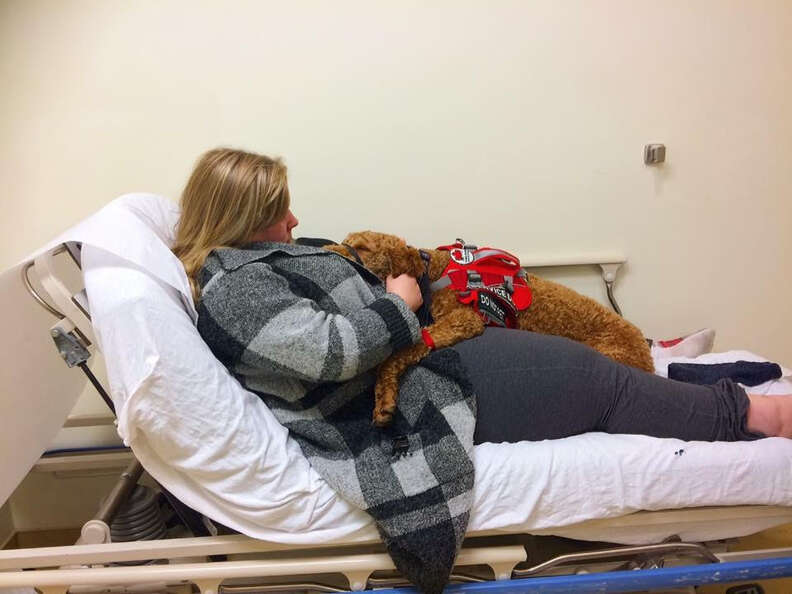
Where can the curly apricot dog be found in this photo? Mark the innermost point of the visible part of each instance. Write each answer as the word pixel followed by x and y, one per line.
pixel 555 309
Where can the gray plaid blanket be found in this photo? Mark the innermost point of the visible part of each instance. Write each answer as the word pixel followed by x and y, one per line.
pixel 305 329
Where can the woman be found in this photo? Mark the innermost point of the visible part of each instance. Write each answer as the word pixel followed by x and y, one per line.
pixel 305 328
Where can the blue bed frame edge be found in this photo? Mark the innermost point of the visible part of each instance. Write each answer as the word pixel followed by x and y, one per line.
pixel 628 581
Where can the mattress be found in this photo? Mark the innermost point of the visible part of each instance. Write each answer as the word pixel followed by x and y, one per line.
pixel 219 449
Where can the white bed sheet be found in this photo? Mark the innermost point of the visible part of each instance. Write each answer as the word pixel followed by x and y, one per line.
pixel 221 451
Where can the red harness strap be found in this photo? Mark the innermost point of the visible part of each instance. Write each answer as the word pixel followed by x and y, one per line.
pixel 488 279
pixel 427 339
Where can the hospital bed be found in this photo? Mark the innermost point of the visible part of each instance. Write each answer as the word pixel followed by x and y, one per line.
pixel 662 505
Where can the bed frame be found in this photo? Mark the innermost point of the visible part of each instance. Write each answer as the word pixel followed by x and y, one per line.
pixel 492 561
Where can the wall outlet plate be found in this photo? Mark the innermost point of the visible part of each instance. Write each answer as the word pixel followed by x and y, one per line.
pixel 654 153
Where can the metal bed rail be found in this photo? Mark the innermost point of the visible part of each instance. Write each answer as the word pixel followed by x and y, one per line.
pixel 358 566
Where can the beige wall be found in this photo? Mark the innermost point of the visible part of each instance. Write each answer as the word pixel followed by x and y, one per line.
pixel 46 501
pixel 7 528
pixel 515 123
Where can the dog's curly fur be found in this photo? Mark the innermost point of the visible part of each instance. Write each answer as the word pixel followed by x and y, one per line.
pixel 555 309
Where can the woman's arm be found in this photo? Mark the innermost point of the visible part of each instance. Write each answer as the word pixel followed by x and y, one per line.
pixel 255 322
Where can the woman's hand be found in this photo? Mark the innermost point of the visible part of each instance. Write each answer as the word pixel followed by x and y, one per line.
pixel 407 288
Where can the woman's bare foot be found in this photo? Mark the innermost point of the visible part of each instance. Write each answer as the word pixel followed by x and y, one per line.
pixel 770 415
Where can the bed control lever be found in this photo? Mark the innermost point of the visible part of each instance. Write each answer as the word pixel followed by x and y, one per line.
pixel 304 586
pixel 70 347
pixel 654 549
pixel 649 560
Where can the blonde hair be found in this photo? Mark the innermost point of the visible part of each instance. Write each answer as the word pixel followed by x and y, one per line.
pixel 231 194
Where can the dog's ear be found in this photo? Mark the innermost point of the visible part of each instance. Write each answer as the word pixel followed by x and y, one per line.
pixel 371 248
pixel 338 249
pixel 406 259
pixel 380 264
pixel 385 254
pixel 364 243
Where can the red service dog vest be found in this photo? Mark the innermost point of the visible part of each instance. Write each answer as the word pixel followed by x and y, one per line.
pixel 488 279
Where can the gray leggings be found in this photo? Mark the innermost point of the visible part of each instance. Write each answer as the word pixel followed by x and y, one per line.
pixel 533 386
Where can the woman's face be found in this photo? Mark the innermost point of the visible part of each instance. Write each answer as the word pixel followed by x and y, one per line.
pixel 279 231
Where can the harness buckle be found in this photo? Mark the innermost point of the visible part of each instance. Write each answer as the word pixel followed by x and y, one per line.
pixel 462 255
pixel 473 278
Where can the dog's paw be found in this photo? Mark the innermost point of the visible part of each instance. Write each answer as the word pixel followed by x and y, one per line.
pixel 385 394
pixel 383 417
